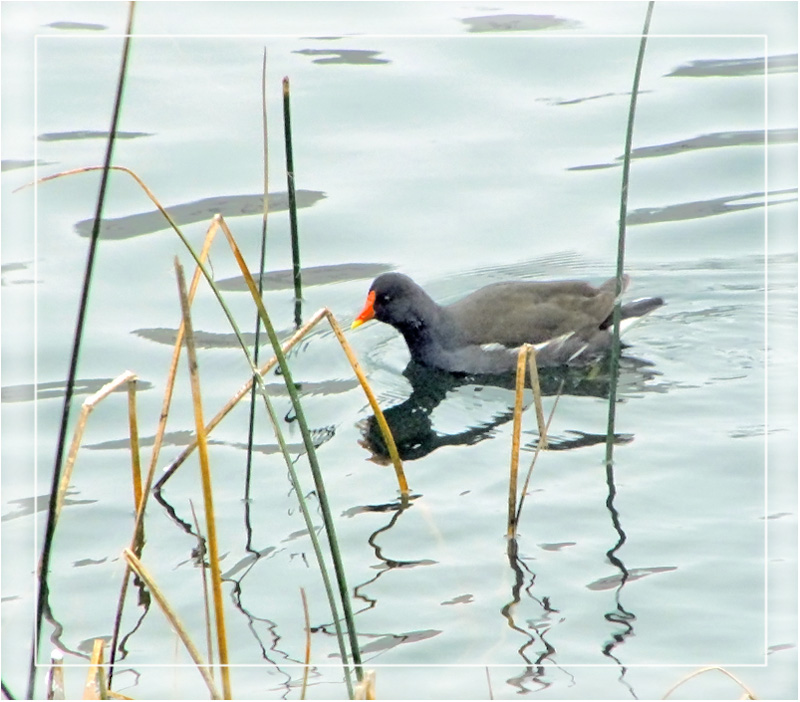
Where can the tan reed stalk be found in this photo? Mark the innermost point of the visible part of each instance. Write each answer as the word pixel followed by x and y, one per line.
pixel 339 335
pixel 202 667
pixel 246 388
pixel 540 446
pixel 238 395
pixel 205 473
pixel 136 468
pixel 95 687
pixel 136 539
pixel 307 658
pixel 88 405
pixel 382 423
pixel 514 471
pixel 748 693
pixel 365 690
pixel 537 396
pixel 324 313
pixel 311 454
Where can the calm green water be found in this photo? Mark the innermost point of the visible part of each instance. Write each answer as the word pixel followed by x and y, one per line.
pixel 462 145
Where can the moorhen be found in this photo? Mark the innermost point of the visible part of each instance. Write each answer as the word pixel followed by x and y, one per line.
pixel 569 322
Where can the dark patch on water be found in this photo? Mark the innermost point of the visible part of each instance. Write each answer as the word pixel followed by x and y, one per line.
pixel 385 643
pixel 88 562
pixel 558 546
pixel 784 63
pixel 197 211
pixel 613 581
pixel 12 164
pixel 41 503
pixel 77 25
pixel 704 141
pixel 45 391
pixel 186 437
pixel 707 208
pixel 313 275
pixel 461 599
pixel 89 134
pixel 203 339
pixel 518 23
pixel 8 269
pixel 353 57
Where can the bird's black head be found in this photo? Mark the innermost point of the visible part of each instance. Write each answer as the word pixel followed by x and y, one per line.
pixel 397 300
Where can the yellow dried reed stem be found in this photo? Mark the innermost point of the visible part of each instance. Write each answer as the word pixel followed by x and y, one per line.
pixel 296 337
pixel 537 396
pixel 365 689
pixel 133 425
pixel 208 496
pixel 515 441
pixel 96 687
pixel 86 409
pixel 202 667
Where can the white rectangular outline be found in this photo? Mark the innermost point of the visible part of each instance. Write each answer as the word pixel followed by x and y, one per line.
pixel 468 37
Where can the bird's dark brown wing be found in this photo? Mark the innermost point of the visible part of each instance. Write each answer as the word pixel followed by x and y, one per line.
pixel 515 313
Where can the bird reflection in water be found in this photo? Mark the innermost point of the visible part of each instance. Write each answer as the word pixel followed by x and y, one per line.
pixel 412 425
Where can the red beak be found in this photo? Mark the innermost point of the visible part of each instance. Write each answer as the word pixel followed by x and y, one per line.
pixel 367 313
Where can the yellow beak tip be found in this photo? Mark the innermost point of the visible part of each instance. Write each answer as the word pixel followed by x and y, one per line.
pixel 356 323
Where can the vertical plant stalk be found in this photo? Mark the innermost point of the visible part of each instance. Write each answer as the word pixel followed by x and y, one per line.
pixel 316 472
pixel 287 133
pixel 133 426
pixel 138 529
pixel 208 497
pixel 515 441
pixel 44 560
pixel 623 215
pixel 262 265
pixel 541 445
pixel 202 666
pixel 96 687
pixel 537 398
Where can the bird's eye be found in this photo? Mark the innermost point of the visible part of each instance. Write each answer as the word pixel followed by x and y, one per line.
pixel 385 297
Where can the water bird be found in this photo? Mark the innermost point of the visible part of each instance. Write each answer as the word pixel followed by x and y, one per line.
pixel 568 322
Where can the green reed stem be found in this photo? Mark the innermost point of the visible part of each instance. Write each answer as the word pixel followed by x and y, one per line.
pixel 623 214
pixel 316 472
pixel 261 268
pixel 44 560
pixel 287 133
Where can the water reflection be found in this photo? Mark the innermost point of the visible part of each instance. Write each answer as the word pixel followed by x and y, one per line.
pixel 412 425
pixel 354 57
pixel 535 670
pixel 518 23
pixel 703 68
pixel 196 211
